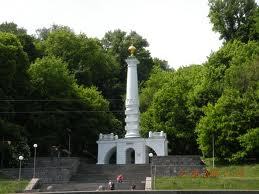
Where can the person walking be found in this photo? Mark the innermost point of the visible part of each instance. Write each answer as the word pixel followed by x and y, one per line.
pixel 111 185
pixel 133 187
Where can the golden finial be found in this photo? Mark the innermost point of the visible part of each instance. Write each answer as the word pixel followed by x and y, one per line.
pixel 132 50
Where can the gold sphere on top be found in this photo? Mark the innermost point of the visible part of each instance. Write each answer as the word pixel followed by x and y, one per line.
pixel 132 50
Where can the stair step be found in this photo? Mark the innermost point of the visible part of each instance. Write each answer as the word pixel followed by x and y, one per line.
pixel 88 186
pixel 88 177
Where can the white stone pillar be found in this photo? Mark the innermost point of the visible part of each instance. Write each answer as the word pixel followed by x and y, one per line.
pixel 132 99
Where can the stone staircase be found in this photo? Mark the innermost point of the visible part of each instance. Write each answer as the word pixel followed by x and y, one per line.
pixel 90 176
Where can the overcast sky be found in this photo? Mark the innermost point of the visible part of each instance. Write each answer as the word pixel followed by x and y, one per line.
pixel 178 31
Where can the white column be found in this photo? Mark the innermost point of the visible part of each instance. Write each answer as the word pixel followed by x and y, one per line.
pixel 132 99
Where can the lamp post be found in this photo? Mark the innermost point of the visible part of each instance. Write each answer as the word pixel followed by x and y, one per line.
pixel 150 157
pixel 20 169
pixel 150 161
pixel 35 147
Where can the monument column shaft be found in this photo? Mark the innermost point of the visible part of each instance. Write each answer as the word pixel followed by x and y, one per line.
pixel 132 85
pixel 132 99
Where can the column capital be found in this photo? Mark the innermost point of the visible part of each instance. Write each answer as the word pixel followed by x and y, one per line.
pixel 131 60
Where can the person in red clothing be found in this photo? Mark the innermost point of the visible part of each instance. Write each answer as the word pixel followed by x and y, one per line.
pixel 119 178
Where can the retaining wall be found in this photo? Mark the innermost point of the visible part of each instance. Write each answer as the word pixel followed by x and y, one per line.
pixel 58 171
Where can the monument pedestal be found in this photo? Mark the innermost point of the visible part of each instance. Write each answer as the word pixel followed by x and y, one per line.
pixel 131 150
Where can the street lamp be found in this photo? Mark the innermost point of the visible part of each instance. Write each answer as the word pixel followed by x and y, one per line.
pixel 150 156
pixel 35 147
pixel 150 161
pixel 20 169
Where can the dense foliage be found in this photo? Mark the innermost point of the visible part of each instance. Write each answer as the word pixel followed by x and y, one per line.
pixel 234 19
pixel 59 84
pixel 218 99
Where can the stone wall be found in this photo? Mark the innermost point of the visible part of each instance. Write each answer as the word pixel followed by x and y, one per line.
pixel 177 165
pixel 176 160
pixel 57 170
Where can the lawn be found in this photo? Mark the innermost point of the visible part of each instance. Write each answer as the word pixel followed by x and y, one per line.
pixel 222 177
pixel 11 186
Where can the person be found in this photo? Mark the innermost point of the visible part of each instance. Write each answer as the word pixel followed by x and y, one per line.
pixel 202 162
pixel 133 187
pixel 119 178
pixel 111 185
pixel 100 188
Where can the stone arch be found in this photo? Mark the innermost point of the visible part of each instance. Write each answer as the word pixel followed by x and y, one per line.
pixel 149 150
pixel 111 152
pixel 130 156
pixel 159 146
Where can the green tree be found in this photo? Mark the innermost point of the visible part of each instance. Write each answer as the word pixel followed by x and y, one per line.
pixel 13 78
pixel 63 104
pixel 257 20
pixel 235 112
pixel 228 120
pixel 15 135
pixel 117 42
pixel 13 64
pixel 232 54
pixel 85 57
pixel 26 40
pixel 43 33
pixel 234 19
pixel 9 49
pixel 168 108
pixel 51 77
pixel 250 142
pixel 156 80
pixel 162 64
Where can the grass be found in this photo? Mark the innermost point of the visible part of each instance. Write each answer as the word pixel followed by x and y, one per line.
pixel 168 183
pixel 223 177
pixel 11 186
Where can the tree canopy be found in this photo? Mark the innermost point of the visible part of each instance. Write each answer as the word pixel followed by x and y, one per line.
pixel 60 82
pixel 234 19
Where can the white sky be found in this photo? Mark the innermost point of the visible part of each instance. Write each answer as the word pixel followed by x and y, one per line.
pixel 178 31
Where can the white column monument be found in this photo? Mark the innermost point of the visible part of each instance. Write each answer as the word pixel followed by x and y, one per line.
pixel 132 99
pixel 132 144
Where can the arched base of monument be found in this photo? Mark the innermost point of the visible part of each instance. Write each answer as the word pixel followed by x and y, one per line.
pixel 131 150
